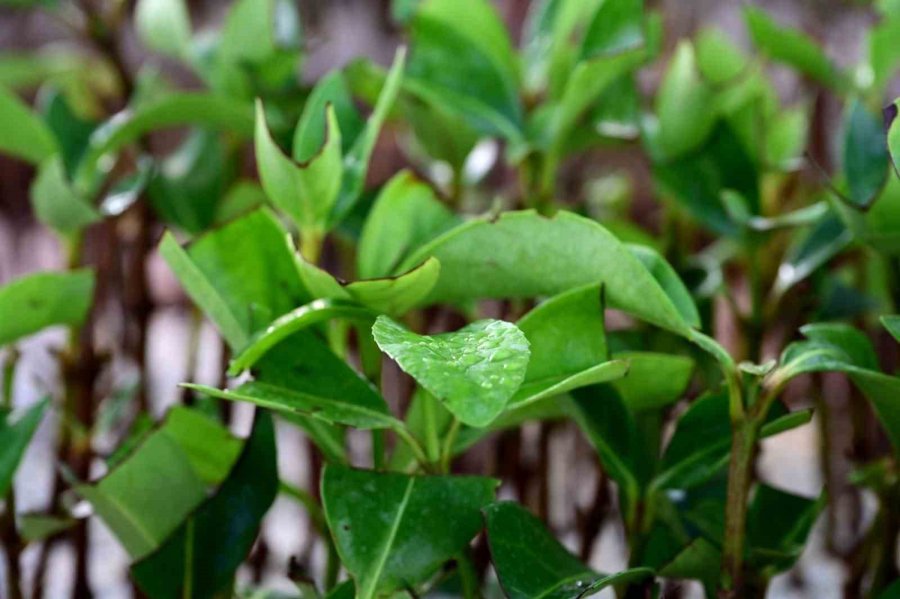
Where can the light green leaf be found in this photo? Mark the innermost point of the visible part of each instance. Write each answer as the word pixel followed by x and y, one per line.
pixel 789 46
pixel 474 371
pixel 15 435
pixel 532 564
pixel 40 300
pixel 389 295
pixel 242 275
pixel 405 215
pixel 128 498
pixel 164 26
pixel 685 105
pixel 485 258
pixel 293 322
pixel 25 135
pixel 356 160
pixel 57 204
pixel 654 380
pixel 394 530
pixel 305 192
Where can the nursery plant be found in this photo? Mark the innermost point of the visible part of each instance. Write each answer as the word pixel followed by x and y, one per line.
pixel 431 328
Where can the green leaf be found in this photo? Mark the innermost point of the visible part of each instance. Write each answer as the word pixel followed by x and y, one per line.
pixel 293 322
pixel 57 204
pixel 778 524
pixel 718 59
pixel 302 376
pixel 483 259
pixel 474 371
pixel 309 136
pixel 15 435
pixel 892 125
pixel 44 299
pixel 305 192
pixel 811 249
pixel 617 25
pixel 892 324
pixel 177 457
pixel 696 181
pixel 461 57
pixel 388 295
pixel 610 427
pixel 187 108
pixel 25 135
pixel 356 160
pixel 200 559
pixel 164 26
pixel 654 380
pixel 242 275
pixel 668 280
pixel 865 155
pixel 405 215
pixel 685 105
pixel 566 333
pixel 531 564
pixel 789 46
pixel 393 531
pixel 700 445
pixel 188 186
pixel 568 347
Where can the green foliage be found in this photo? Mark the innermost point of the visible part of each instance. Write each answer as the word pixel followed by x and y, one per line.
pixel 404 262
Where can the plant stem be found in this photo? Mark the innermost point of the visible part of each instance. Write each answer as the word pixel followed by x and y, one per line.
pixel 449 440
pixel 468 575
pixel 743 446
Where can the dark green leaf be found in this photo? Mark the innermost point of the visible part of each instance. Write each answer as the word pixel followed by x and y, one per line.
pixel 188 187
pixel 302 376
pixel 617 25
pixel 200 559
pixel 462 57
pixel 309 136
pixel 778 524
pixel 531 564
pixel 865 155
pixel 393 531
pixel 15 435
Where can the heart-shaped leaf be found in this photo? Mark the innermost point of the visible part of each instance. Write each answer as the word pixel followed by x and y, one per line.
pixel 474 371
